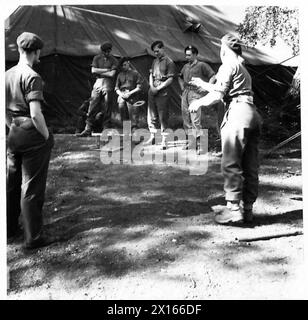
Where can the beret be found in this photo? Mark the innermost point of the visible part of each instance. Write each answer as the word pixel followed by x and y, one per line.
pixel 29 41
pixel 232 42
pixel 106 46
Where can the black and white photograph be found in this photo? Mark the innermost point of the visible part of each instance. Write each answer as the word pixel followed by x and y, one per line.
pixel 153 151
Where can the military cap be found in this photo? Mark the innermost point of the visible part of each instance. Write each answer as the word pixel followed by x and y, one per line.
pixel 232 42
pixel 106 46
pixel 29 41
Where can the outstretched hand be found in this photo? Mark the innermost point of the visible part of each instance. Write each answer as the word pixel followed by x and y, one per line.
pixel 194 106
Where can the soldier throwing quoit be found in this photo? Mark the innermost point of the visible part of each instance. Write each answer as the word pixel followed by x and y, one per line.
pixel 240 131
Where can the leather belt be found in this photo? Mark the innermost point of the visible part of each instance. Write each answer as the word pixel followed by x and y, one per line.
pixel 243 98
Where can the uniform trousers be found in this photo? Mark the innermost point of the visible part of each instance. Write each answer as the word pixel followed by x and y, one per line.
pixel 191 120
pixel 158 111
pixel 128 112
pixel 240 133
pixel 28 155
pixel 100 101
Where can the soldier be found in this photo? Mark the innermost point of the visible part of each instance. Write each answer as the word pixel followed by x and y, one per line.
pixel 29 144
pixel 240 131
pixel 160 79
pixel 104 66
pixel 199 69
pixel 128 84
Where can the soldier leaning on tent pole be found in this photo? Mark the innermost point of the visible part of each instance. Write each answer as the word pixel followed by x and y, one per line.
pixel 104 66
pixel 161 76
pixel 240 131
pixel 127 87
pixel 29 145
pixel 196 68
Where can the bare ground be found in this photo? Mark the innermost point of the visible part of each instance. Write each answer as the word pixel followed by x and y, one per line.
pixel 147 232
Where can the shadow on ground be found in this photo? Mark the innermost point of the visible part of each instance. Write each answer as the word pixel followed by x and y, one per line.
pixel 112 220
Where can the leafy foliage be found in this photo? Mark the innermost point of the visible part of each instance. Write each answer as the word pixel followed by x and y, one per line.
pixel 279 104
pixel 265 24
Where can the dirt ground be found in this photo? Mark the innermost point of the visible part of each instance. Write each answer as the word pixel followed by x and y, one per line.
pixel 146 231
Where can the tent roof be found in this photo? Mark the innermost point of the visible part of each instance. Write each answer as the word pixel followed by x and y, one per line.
pixel 79 30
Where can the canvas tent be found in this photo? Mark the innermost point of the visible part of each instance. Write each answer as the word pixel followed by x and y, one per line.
pixel 73 34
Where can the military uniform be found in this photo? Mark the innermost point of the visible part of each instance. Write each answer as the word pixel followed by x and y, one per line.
pixel 127 81
pixel 158 104
pixel 28 152
pixel 102 91
pixel 240 133
pixel 198 69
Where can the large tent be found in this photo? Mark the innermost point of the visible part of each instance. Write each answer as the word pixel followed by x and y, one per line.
pixel 73 34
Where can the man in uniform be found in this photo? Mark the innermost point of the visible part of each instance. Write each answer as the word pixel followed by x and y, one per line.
pixel 104 67
pixel 128 84
pixel 161 76
pixel 240 131
pixel 29 144
pixel 199 69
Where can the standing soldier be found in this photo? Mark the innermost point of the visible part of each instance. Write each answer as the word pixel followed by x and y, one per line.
pixel 128 84
pixel 193 68
pixel 29 144
pixel 240 131
pixel 104 67
pixel 160 79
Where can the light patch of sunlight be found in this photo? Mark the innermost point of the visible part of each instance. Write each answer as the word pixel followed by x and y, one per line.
pixel 70 157
pixel 49 9
pixel 136 229
pixel 189 13
pixel 122 198
pixel 122 35
pixel 98 231
pixel 292 182
pixel 135 246
pixel 30 276
pixel 92 219
pixel 152 193
pixel 276 205
pixel 153 238
pixel 117 196
pixel 75 156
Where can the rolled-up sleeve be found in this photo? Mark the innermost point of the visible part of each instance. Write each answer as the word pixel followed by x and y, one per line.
pixel 94 63
pixel 224 79
pixel 34 90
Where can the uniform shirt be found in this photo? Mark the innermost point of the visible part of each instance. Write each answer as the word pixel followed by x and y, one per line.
pixel 102 62
pixel 233 80
pixel 197 69
pixel 128 80
pixel 163 68
pixel 22 85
